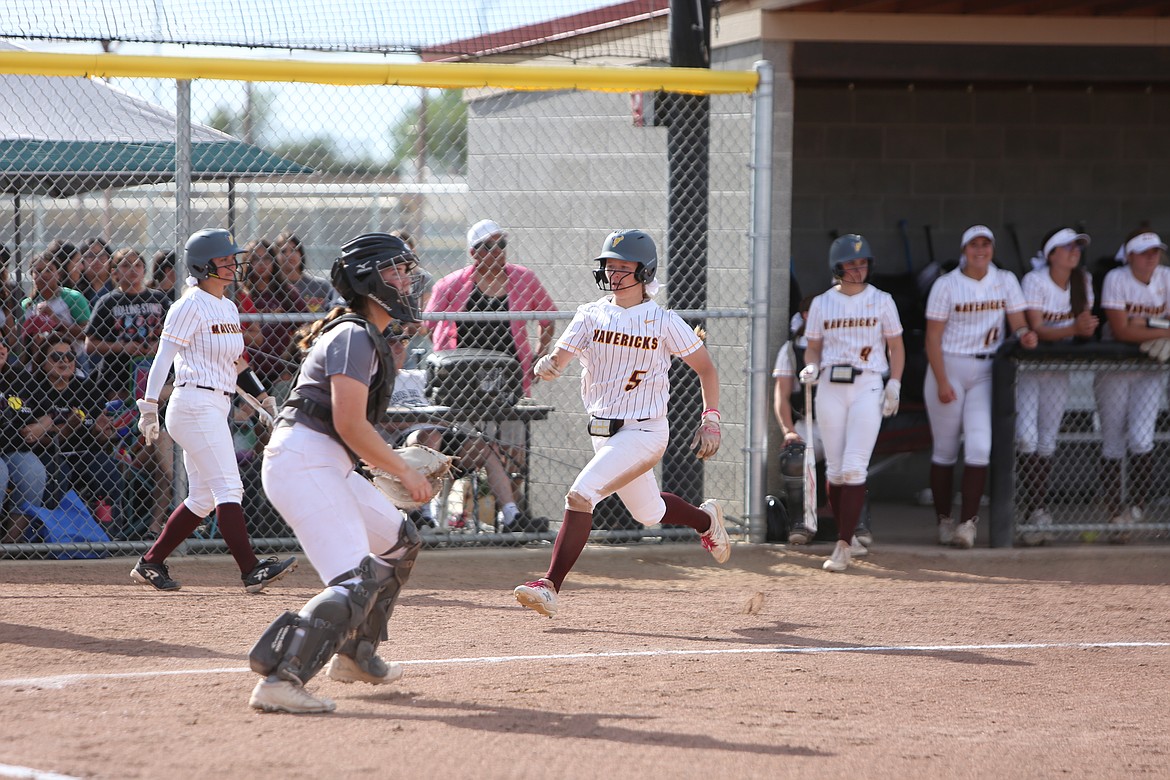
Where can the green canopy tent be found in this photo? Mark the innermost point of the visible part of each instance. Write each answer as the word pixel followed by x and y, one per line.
pixel 62 136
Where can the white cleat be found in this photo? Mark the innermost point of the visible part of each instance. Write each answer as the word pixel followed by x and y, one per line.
pixel 374 671
pixel 284 696
pixel 839 560
pixel 946 531
pixel 965 534
pixel 857 549
pixel 715 540
pixel 538 595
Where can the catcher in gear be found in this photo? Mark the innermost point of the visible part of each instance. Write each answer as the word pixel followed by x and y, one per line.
pixel 356 539
pixel 625 342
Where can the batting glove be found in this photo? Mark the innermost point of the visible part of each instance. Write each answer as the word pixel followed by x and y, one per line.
pixel 148 421
pixel 269 406
pixel 1157 349
pixel 890 398
pixel 707 438
pixel 546 369
pixel 809 374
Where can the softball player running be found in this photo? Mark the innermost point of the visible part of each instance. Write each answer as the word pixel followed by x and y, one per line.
pixel 1060 300
pixel 850 329
pixel 965 315
pixel 625 342
pixel 1136 301
pixel 202 337
pixel 359 543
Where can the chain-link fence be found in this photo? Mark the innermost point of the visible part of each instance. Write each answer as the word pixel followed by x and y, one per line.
pixel 1084 456
pixel 296 170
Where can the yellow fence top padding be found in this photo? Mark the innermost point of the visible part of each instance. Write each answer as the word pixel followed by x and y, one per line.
pixel 446 75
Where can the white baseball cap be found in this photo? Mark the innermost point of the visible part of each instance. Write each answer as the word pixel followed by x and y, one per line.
pixel 1140 243
pixel 1064 237
pixel 974 232
pixel 482 231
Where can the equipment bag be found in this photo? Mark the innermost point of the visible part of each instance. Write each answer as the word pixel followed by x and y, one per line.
pixel 478 379
pixel 70 522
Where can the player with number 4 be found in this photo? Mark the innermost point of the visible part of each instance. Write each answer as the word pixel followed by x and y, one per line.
pixel 854 338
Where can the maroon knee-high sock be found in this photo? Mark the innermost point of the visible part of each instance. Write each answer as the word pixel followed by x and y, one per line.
pixel 835 502
pixel 974 478
pixel 851 501
pixel 570 542
pixel 230 518
pixel 679 512
pixel 181 524
pixel 942 487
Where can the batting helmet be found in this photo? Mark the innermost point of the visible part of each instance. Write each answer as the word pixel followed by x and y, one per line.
pixel 358 274
pixel 845 248
pixel 634 246
pixel 206 245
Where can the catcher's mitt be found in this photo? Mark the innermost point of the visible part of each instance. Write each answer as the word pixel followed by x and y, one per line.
pixel 430 463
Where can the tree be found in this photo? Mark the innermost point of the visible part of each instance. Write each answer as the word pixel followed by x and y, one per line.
pixel 444 136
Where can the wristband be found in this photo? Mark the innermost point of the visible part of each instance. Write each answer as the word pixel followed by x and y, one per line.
pixel 1021 332
pixel 712 411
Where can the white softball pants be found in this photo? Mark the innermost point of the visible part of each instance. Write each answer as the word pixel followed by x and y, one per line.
pixel 849 416
pixel 1040 400
pixel 624 464
pixel 967 418
pixel 1128 403
pixel 339 517
pixel 197 420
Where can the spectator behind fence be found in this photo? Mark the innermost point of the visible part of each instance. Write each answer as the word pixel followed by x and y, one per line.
pixel 51 307
pixel 266 291
pixel 471 451
pixel 22 421
pixel 491 284
pixel 10 297
pixel 95 269
pixel 123 333
pixel 965 322
pixel 318 295
pixel 162 273
pixel 78 449
pixel 1059 294
pixel 69 259
pixel 1136 302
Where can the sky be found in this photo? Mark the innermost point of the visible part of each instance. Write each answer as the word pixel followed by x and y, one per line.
pixel 299 112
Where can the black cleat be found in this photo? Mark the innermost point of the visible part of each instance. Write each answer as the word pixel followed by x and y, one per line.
pixel 155 575
pixel 266 571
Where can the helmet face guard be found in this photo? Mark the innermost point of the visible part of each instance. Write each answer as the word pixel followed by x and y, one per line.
pixel 634 246
pixel 847 248
pixel 205 246
pixel 358 274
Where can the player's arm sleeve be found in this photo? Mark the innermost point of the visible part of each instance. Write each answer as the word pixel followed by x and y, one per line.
pixel 180 324
pixel 891 322
pixel 163 359
pixel 938 303
pixel 785 360
pixel 577 335
pixel 813 326
pixel 681 339
pixel 1111 297
pixel 1015 296
pixel 351 353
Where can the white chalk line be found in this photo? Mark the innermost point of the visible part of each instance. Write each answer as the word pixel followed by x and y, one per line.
pixel 63 680
pixel 27 773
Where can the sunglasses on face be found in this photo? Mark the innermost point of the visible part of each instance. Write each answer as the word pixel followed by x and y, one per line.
pixel 487 246
pixel 61 357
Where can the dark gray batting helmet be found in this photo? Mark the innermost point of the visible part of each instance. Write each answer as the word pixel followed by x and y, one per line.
pixel 845 248
pixel 634 246
pixel 358 273
pixel 206 245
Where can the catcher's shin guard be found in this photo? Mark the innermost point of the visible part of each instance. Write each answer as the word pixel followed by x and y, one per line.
pixel 362 644
pixel 297 645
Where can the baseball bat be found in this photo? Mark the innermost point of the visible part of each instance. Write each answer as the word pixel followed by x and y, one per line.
pixel 902 223
pixel 265 418
pixel 810 465
pixel 1011 228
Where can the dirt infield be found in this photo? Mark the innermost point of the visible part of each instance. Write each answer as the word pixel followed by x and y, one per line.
pixel 917 663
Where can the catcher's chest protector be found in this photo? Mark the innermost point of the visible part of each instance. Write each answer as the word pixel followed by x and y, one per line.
pixel 383 381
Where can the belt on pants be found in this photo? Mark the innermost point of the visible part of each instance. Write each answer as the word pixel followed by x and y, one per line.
pixel 985 356
pixel 205 387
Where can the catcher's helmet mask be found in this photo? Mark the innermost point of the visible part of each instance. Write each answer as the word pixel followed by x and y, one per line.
pixel 357 273
pixel 206 246
pixel 633 246
pixel 847 248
